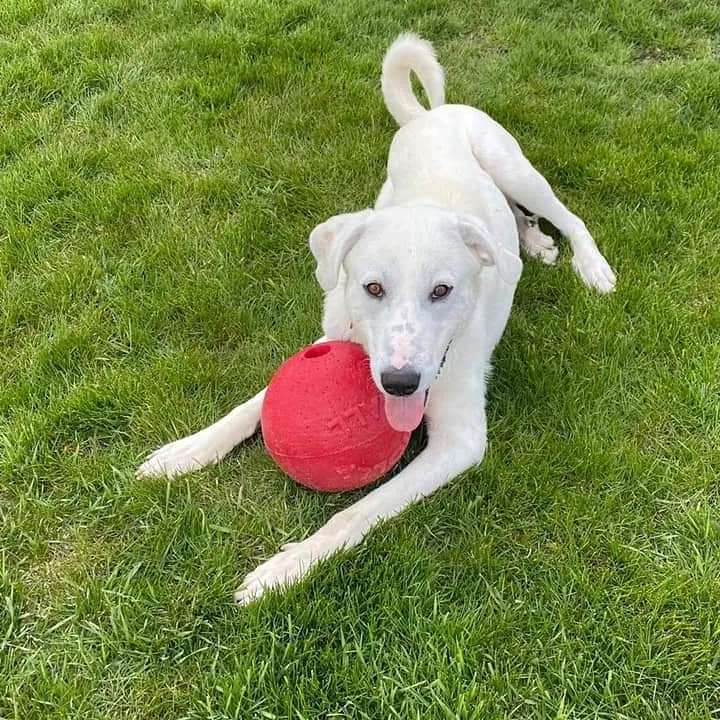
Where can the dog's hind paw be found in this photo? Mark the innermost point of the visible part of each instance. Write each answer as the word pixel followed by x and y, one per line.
pixel 594 271
pixel 539 245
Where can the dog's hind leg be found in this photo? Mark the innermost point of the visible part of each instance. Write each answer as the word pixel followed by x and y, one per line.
pixel 499 155
pixel 529 188
pixel 534 241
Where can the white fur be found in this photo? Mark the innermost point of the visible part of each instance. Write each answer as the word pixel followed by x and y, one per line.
pixel 448 214
pixel 410 53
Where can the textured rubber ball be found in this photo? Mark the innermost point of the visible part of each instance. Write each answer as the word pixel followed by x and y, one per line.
pixel 323 419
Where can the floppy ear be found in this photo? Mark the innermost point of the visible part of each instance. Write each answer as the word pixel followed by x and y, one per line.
pixel 477 237
pixel 331 241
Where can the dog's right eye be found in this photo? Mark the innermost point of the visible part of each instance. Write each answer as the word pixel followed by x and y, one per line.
pixel 375 289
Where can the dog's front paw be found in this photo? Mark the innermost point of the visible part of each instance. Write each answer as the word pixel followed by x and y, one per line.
pixel 182 456
pixel 292 563
pixel 595 271
pixel 296 559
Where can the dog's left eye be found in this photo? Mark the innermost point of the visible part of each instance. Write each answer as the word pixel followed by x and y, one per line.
pixel 440 291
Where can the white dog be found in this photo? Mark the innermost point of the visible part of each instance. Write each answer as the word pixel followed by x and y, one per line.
pixel 424 282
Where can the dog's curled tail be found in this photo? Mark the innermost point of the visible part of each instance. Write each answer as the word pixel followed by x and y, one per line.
pixel 411 53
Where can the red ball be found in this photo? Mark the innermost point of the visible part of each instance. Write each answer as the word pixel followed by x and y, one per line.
pixel 323 419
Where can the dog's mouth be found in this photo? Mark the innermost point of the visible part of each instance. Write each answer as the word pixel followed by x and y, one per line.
pixel 405 413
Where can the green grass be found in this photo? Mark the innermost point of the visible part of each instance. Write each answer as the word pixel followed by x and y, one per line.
pixel 161 166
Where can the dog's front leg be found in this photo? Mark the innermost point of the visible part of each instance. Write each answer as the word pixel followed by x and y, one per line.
pixel 209 445
pixel 451 450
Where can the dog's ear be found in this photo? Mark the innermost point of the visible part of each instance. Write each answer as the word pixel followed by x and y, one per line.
pixel 477 237
pixel 331 241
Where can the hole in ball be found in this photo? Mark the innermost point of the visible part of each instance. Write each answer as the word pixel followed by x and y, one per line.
pixel 316 351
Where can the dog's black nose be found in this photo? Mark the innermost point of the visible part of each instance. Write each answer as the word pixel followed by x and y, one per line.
pixel 400 382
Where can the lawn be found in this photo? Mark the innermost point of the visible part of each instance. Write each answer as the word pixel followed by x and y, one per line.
pixel 161 167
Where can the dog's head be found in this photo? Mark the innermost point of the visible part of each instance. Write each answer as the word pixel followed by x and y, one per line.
pixel 413 275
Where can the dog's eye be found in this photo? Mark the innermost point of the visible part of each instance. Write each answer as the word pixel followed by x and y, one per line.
pixel 375 289
pixel 440 291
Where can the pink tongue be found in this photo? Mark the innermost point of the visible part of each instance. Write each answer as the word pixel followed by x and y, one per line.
pixel 404 413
